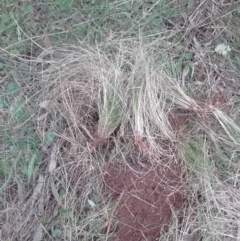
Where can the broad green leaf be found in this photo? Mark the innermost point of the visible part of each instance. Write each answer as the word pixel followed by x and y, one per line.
pixel 57 233
pixel 64 212
pixel 50 139
pixel 187 56
pixel 207 239
pixel 31 166
pixel 65 5
pixel 81 31
pixel 14 52
pixel 238 9
pixel 20 112
pixel 62 193
pixel 155 21
pixel 127 6
pixel 28 9
pixel 190 5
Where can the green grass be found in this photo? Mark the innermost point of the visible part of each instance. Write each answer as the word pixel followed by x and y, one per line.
pixel 117 71
pixel 22 25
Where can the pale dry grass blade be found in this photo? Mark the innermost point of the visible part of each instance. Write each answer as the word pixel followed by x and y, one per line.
pixel 53 159
pixel 230 127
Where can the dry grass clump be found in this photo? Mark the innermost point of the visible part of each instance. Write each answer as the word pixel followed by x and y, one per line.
pixel 111 103
pixel 115 94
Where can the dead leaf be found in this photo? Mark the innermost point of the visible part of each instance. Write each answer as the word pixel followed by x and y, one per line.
pixel 38 234
pixel 38 188
pixel 20 191
pixel 184 16
pixel 37 191
pixel 53 161
pixel 55 193
pixel 42 117
pixel 46 41
pixel 91 203
pixel 197 45
pixel 44 104
pixel 55 211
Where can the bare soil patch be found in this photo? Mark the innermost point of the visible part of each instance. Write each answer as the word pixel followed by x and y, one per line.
pixel 144 199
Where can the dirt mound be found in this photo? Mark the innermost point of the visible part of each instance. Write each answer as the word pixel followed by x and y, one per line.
pixel 144 200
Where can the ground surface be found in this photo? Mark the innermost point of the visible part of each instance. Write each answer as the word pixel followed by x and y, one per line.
pixel 119 120
pixel 144 200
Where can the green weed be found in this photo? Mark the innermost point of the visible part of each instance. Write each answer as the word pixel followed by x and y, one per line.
pixel 110 115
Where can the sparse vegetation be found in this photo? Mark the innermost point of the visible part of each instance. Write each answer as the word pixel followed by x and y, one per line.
pixel 137 85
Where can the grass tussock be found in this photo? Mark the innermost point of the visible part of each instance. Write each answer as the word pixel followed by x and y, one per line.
pixel 97 102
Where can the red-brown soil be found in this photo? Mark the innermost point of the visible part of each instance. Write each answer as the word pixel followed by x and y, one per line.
pixel 179 119
pixel 144 200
